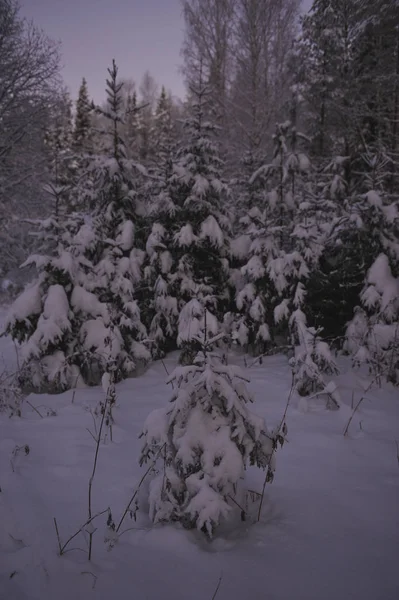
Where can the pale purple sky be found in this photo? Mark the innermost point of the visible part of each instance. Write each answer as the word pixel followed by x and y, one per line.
pixel 140 34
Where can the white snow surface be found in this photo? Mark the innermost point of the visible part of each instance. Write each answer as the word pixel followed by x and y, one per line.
pixel 329 528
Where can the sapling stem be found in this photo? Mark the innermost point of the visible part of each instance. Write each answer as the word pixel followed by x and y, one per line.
pixel 138 488
pixel 275 446
pixel 94 472
pixel 215 593
pixel 35 409
pixel 62 548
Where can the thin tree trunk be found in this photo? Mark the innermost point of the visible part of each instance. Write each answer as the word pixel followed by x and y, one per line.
pixel 394 146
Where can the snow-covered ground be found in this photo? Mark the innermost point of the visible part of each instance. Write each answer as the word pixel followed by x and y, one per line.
pixel 329 528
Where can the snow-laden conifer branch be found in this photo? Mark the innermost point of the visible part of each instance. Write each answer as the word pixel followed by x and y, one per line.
pixel 209 436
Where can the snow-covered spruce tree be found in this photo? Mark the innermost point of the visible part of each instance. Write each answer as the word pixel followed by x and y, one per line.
pixel 284 244
pixel 312 358
pixel 371 212
pixel 116 258
pixel 86 144
pixel 160 308
pixel 132 127
pixel 189 243
pixel 251 192
pixel 202 442
pixel 160 303
pixel 202 239
pixel 327 305
pixel 83 120
pixel 147 98
pixel 372 337
pixel 249 196
pixel 65 317
pixel 375 53
pixel 42 318
pixel 162 129
pixel 364 224
pixel 322 54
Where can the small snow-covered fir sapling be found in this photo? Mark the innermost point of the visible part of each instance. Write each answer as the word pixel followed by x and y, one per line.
pixel 312 359
pixel 205 439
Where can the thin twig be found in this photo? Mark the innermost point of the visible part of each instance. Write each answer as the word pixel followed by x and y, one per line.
pixel 397 450
pixel 165 367
pixel 74 388
pixel 270 352
pixel 376 377
pixel 275 446
pixel 73 550
pixel 62 548
pixel 94 438
pixel 167 373
pixel 94 578
pixel 138 487
pixel 58 535
pixel 35 409
pixel 94 421
pixel 94 471
pixel 353 414
pixel 134 529
pixel 215 593
pixel 17 356
pixel 239 505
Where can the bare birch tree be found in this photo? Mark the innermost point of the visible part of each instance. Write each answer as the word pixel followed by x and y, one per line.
pixel 29 87
pixel 209 41
pixel 264 33
pixel 243 48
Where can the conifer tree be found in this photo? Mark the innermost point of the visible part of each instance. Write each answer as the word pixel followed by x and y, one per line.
pixel 163 129
pixel 132 126
pixel 376 71
pixel 116 209
pixel 372 228
pixel 348 69
pixel 312 360
pixel 162 306
pixel 191 240
pixel 203 441
pixel 82 130
pixel 363 224
pixel 326 68
pixel 372 337
pixel 350 74
pixel 203 239
pixel 148 91
pixel 281 247
pixel 43 317
pixel 82 310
